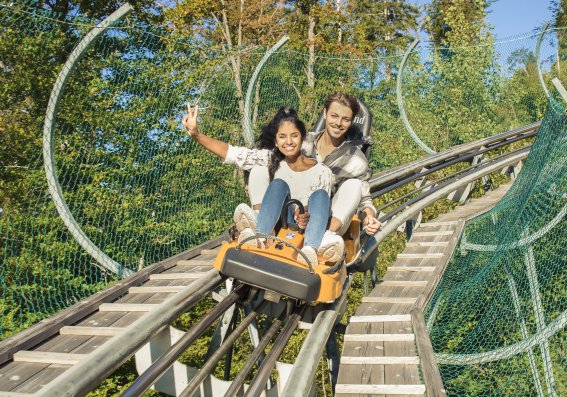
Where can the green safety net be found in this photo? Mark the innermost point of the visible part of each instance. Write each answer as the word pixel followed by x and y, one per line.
pixel 497 320
pixel 137 187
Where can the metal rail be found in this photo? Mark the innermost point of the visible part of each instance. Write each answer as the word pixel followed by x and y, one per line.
pixel 455 176
pixel 303 373
pixel 449 162
pixel 436 194
pixel 146 379
pixel 238 381
pixel 386 178
pixel 209 365
pixel 87 374
pixel 259 381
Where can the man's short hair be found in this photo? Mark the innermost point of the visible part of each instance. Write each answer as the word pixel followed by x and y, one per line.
pixel 345 100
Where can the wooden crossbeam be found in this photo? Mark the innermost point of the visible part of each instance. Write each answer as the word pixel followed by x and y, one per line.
pixel 380 318
pixel 381 360
pixel 176 276
pixel 380 389
pixel 438 223
pixel 90 331
pixel 35 356
pixel 402 283
pixel 411 268
pixel 378 337
pixel 427 243
pixel 388 299
pixel 437 233
pixel 418 255
pixel 127 307
pixel 156 289
pixel 209 252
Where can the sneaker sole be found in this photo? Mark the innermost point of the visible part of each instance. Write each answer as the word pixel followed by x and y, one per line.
pixel 329 253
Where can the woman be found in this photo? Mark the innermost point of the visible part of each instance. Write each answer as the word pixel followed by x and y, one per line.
pixel 292 175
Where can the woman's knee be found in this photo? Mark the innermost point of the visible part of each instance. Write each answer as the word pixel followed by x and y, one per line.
pixel 319 198
pixel 280 183
pixel 319 194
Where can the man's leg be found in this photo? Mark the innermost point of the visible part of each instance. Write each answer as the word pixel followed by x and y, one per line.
pixel 257 185
pixel 344 205
pixel 258 181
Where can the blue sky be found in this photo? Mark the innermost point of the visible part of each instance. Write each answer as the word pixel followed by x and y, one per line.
pixel 512 17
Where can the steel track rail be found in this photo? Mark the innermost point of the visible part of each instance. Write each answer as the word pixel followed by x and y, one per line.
pixel 238 381
pixel 449 162
pixel 210 364
pixel 146 379
pixel 302 375
pixel 258 383
pixel 383 179
pixel 438 193
pixel 87 374
pixel 451 179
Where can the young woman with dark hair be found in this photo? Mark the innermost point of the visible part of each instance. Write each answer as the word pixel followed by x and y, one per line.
pixel 292 175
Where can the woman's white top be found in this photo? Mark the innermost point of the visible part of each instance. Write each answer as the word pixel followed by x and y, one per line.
pixel 301 184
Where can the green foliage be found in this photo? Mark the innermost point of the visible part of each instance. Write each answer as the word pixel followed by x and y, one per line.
pixel 142 191
pixel 494 296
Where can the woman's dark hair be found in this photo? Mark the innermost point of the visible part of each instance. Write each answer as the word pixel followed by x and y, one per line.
pixel 267 139
pixel 345 100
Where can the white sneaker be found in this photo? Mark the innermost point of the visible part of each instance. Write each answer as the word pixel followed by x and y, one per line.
pixel 244 217
pixel 253 242
pixel 332 246
pixel 311 254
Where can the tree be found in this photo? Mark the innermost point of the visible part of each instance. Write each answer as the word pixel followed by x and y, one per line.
pixel 232 25
pixel 464 73
pixel 383 27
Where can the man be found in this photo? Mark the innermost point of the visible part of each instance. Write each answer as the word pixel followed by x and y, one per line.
pixel 351 193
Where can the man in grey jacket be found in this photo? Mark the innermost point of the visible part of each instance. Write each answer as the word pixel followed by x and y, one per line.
pixel 351 191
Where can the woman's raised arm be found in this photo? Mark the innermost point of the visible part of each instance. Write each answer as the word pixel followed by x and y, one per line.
pixel 211 144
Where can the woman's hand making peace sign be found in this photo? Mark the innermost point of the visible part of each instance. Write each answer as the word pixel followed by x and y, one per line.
pixel 190 121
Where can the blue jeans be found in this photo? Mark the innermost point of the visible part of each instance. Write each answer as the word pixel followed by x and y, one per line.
pixel 319 208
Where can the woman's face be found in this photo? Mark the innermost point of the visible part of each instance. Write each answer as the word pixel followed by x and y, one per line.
pixel 288 139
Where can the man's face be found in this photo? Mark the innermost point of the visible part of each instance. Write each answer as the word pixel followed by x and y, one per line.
pixel 337 120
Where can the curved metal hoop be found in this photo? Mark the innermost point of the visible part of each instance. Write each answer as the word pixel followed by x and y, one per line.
pixel 500 354
pixel 400 100
pixel 538 63
pixel 48 155
pixel 248 133
pixel 519 243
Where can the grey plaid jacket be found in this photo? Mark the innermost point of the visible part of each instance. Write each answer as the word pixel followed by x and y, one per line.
pixel 347 162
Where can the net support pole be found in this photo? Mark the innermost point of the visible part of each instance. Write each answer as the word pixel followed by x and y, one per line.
pixel 529 260
pixel 48 156
pixel 524 329
pixel 538 47
pixel 248 133
pixel 400 100
pixel 562 91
